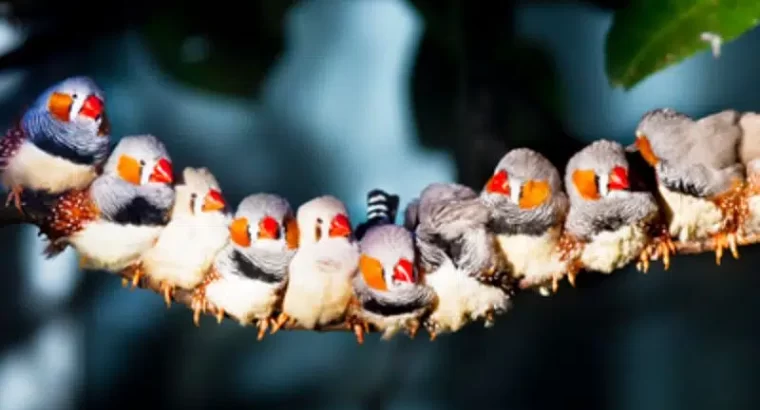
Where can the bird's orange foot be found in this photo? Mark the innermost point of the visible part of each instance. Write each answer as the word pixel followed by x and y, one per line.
pixel 263 326
pixel 137 274
pixel 281 320
pixel 725 241
pixel 433 328
pixel 167 290
pixel 661 246
pixel 412 327
pixel 198 303
pixel 15 196
pixel 359 327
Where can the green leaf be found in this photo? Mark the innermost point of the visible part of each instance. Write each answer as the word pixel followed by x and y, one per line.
pixel 650 35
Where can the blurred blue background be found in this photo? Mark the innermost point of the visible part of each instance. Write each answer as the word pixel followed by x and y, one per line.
pixel 336 97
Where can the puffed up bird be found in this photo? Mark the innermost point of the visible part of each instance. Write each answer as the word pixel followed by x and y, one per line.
pixel 699 175
pixel 612 224
pixel 528 208
pixel 319 288
pixel 122 213
pixel 456 252
pixel 59 143
pixel 388 294
pixel 197 231
pixel 249 276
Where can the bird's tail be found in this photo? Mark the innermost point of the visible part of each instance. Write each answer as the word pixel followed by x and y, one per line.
pixel 382 208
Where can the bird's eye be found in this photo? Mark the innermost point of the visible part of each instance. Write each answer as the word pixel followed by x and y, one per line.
pixel 193 198
pixel 318 232
pixel 142 162
pixel 74 96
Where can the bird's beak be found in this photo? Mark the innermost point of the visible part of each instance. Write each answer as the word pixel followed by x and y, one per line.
pixel 372 272
pixel 618 179
pixel 269 228
pixel 292 234
pixel 213 201
pixel 498 184
pixel 585 182
pixel 162 172
pixel 645 149
pixel 239 233
pixel 129 169
pixel 59 105
pixel 404 271
pixel 92 107
pixel 340 227
pixel 534 193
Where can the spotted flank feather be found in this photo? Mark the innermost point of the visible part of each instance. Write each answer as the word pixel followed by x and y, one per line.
pixel 381 209
pixel 10 145
pixel 70 213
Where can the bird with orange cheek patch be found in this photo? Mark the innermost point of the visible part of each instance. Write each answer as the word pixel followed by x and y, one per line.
pixel 122 213
pixel 699 176
pixel 319 279
pixel 528 208
pixel 197 231
pixel 610 223
pixel 388 294
pixel 249 275
pixel 60 143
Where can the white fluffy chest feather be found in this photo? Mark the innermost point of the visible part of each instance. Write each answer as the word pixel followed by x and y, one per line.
pixel 690 218
pixel 319 286
pixel 111 246
pixel 610 250
pixel 752 224
pixel 535 258
pixel 244 299
pixel 461 298
pixel 36 169
pixel 185 250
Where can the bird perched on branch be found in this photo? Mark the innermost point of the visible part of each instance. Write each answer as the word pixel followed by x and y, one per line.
pixel 609 222
pixel 197 231
pixel 528 208
pixel 122 212
pixel 59 143
pixel 699 175
pixel 388 292
pixel 249 275
pixel 457 256
pixel 319 283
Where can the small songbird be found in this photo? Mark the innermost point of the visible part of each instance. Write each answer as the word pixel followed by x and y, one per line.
pixel 528 208
pixel 197 231
pixel 249 276
pixel 699 175
pixel 611 223
pixel 59 143
pixel 389 295
pixel 319 288
pixel 456 254
pixel 122 213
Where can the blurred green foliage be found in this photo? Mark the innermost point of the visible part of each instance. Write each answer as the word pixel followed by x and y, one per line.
pixel 649 35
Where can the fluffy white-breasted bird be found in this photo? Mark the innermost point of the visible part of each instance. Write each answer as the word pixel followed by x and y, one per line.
pixel 249 275
pixel 319 284
pixel 197 231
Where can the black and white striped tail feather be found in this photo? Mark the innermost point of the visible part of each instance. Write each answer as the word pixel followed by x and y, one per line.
pixel 382 208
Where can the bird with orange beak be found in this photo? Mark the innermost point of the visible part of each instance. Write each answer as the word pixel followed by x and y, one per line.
pixel 248 278
pixel 528 209
pixel 197 231
pixel 117 218
pixel 699 174
pixel 319 283
pixel 611 224
pixel 60 142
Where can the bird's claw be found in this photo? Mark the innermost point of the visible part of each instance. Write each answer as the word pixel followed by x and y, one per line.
pixel 725 241
pixel 167 290
pixel 263 326
pixel 137 275
pixel 198 304
pixel 279 322
pixel 412 327
pixel 15 196
pixel 359 327
pixel 661 246
pixel 433 329
pixel 489 319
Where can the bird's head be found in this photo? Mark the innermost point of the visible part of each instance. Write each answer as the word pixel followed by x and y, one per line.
pixel 75 99
pixel 654 129
pixel 266 222
pixel 387 258
pixel 524 178
pixel 199 193
pixel 140 160
pixel 322 218
pixel 598 171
